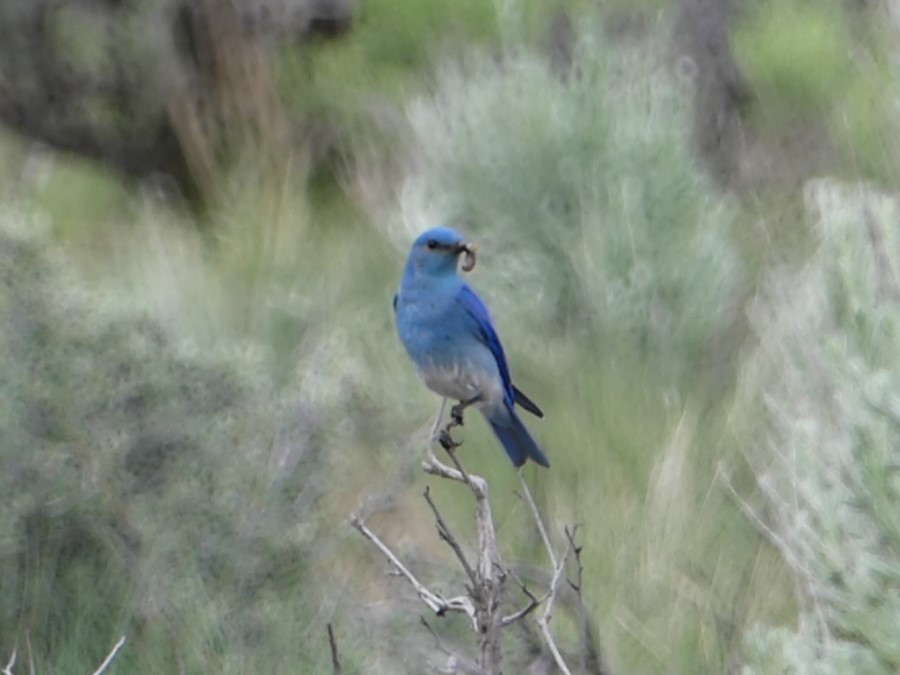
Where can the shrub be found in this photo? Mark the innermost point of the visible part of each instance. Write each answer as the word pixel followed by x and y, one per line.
pixel 150 492
pixel 827 374
pixel 583 187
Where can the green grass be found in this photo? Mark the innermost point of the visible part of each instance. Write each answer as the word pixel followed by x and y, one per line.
pixel 864 124
pixel 824 66
pixel 796 55
pixel 392 45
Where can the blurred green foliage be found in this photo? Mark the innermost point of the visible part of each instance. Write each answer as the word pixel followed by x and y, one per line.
pixel 585 188
pixel 153 493
pixel 827 66
pixel 387 56
pixel 78 198
pixel 865 125
pixel 796 55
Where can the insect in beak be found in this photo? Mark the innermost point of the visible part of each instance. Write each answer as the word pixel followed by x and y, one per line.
pixel 469 256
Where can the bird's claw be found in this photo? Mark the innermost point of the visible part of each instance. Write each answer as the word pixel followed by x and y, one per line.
pixel 456 414
pixel 447 442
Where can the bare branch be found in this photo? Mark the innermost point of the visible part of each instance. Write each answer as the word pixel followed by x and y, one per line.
pixel 435 602
pixel 9 666
pixel 447 536
pixel 487 576
pixel 533 602
pixel 432 465
pixel 558 569
pixel 487 591
pixel 335 657
pixel 532 605
pixel 435 467
pixel 110 656
pixel 544 620
pixel 462 470
pixel 538 521
pixel 587 652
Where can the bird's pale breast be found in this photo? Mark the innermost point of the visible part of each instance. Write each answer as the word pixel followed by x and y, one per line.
pixel 450 360
pixel 463 381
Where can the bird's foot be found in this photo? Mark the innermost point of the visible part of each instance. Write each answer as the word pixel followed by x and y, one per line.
pixel 456 414
pixel 447 442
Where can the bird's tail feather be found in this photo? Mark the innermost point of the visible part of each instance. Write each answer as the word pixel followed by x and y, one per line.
pixel 520 398
pixel 516 440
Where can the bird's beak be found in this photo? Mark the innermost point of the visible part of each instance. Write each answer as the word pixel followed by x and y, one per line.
pixel 469 250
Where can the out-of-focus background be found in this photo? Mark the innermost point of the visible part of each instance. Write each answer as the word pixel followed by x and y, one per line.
pixel 689 239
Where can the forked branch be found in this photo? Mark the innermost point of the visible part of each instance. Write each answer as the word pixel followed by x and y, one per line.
pixel 486 575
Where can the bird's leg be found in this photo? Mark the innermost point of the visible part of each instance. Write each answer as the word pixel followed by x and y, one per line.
pixel 446 440
pixel 456 420
pixel 456 412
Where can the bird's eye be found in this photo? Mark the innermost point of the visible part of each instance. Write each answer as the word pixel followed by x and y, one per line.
pixel 432 244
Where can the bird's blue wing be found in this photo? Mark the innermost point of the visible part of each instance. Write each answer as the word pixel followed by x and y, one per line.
pixel 394 301
pixel 484 329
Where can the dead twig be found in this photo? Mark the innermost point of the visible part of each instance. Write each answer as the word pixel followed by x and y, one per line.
pixel 445 534
pixel 335 657
pixel 583 627
pixel 533 602
pixel 487 576
pixel 559 566
pixel 544 620
pixel 538 520
pixel 7 670
pixel 487 587
pixel 110 656
pixel 591 661
pixel 435 602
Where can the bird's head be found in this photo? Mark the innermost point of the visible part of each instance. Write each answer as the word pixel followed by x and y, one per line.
pixel 437 251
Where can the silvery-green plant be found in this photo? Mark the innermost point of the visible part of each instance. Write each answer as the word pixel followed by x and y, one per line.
pixel 827 374
pixel 153 490
pixel 583 190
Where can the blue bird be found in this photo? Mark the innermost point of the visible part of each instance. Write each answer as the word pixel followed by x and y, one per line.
pixel 449 335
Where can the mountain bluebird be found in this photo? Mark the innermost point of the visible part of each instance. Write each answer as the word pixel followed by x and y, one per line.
pixel 450 337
